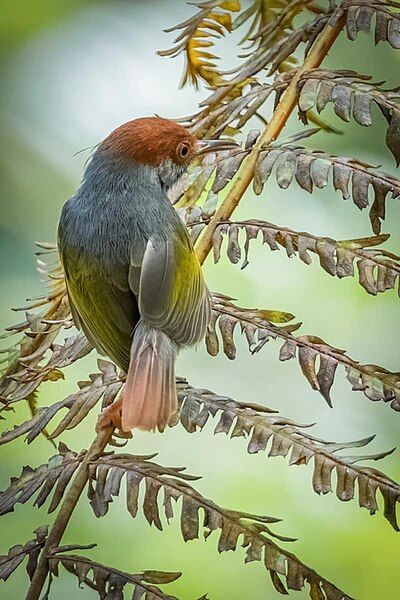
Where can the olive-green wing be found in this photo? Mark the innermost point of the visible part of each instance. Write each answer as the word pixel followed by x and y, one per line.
pixel 102 305
pixel 173 296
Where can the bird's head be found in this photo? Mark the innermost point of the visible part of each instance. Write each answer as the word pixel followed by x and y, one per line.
pixel 161 144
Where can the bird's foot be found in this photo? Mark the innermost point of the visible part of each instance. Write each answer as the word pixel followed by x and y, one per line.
pixel 110 416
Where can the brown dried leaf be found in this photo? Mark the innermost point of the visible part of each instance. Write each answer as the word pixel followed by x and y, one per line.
pixel 359 18
pixel 110 582
pixel 17 554
pixel 312 167
pixel 261 426
pixel 375 382
pixel 43 478
pixel 378 269
pixel 341 87
pixel 104 385
pixel 232 524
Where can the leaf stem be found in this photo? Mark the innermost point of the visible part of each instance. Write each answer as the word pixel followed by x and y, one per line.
pixel 65 512
pixel 278 120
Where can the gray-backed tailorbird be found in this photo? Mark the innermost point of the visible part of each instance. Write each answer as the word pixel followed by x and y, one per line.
pixel 134 283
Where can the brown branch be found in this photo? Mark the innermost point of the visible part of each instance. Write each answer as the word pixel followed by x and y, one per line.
pixel 281 115
pixel 65 512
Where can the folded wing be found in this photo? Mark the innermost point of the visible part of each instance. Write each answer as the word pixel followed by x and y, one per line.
pixel 173 296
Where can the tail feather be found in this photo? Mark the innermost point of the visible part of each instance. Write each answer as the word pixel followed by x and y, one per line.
pixel 149 398
pixel 169 403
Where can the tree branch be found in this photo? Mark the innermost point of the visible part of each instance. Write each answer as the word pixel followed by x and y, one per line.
pixel 65 512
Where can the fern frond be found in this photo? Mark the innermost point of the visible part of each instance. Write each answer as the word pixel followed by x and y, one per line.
pixel 27 378
pixel 378 269
pixel 265 427
pixel 212 21
pixel 105 484
pixel 317 359
pixel 312 167
pixel 53 302
pixel 57 472
pixel 276 56
pixel 261 13
pixel 309 168
pixel 352 95
pixel 110 582
pixel 270 59
pixel 234 112
pixel 359 14
pixel 104 386
pixel 18 553
pixel 40 330
pixel 270 21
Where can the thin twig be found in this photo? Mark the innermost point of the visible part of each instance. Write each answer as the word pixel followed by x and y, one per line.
pixel 65 512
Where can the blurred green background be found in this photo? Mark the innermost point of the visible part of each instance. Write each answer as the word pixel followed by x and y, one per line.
pixel 72 70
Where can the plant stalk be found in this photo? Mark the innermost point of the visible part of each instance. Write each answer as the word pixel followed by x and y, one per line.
pixel 65 512
pixel 281 115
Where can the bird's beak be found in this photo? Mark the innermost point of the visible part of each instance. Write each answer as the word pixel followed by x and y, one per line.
pixel 207 146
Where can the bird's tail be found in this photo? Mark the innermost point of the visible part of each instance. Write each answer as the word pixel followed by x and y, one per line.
pixel 149 398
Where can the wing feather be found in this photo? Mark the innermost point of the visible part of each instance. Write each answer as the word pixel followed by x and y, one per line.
pixel 173 296
pixel 103 306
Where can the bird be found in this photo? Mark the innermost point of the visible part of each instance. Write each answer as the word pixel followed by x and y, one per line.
pixel 134 284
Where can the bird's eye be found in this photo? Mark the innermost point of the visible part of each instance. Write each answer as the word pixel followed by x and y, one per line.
pixel 182 150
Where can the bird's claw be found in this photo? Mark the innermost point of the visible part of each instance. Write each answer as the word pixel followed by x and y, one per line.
pixel 110 416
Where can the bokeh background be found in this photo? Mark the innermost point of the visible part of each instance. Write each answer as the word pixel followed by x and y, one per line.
pixel 71 71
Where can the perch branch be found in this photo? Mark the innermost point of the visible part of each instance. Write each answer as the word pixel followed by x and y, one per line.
pixel 65 513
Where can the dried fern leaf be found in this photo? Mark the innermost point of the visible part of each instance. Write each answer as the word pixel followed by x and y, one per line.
pixel 378 269
pixel 266 430
pixel 110 582
pixel 261 13
pixel 56 474
pixel 270 20
pixel 353 178
pixel 24 373
pixel 276 56
pixel 359 17
pixel 24 381
pixel 270 59
pixel 234 112
pixel 352 95
pixel 18 553
pixel 317 359
pixel 233 526
pixel 311 168
pixel 55 311
pixel 101 386
pixel 212 21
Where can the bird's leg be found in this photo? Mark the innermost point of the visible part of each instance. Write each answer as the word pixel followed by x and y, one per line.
pixel 111 415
